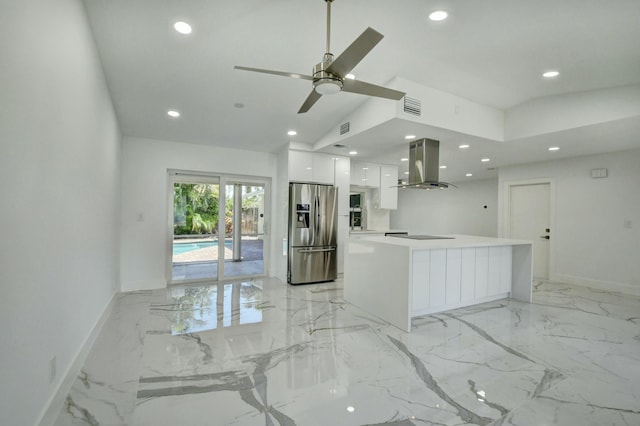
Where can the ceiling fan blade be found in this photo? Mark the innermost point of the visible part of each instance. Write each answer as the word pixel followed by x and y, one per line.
pixel 355 86
pixel 308 103
pixel 280 73
pixel 353 54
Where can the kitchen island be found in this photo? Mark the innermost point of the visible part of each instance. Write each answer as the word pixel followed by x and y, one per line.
pixel 401 278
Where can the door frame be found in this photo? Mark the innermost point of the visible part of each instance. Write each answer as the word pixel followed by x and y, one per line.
pixel 506 213
pixel 222 179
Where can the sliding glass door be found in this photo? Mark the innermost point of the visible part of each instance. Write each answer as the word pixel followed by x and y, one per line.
pixel 195 242
pixel 245 205
pixel 217 227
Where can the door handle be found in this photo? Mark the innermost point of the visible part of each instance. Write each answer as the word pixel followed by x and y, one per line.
pixel 316 250
pixel 546 237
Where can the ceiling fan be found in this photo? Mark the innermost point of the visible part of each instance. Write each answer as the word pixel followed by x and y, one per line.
pixel 329 76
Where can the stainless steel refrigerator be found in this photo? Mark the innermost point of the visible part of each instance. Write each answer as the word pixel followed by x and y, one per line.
pixel 312 233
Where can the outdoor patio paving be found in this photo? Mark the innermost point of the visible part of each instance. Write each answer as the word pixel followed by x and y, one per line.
pixel 203 263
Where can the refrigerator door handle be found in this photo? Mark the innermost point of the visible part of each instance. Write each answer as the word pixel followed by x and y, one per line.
pixel 317 202
pixel 316 250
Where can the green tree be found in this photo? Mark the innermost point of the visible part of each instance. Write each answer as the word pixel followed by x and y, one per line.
pixel 195 208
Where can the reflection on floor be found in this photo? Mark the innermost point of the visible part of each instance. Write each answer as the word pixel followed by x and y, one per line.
pixel 260 352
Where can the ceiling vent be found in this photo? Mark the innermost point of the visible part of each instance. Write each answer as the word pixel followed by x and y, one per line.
pixel 412 106
pixel 344 128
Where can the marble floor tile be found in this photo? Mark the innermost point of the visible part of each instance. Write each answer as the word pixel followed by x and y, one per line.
pixel 260 352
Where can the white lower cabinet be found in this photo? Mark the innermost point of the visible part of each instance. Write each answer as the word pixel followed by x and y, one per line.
pixel 454 274
pixel 467 274
pixel 438 278
pixel 482 272
pixel 445 279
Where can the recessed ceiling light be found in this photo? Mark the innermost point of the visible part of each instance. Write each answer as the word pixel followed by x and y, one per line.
pixel 365 168
pixel 292 133
pixel 350 76
pixel 173 113
pixel 410 137
pixel 443 167
pixel 554 148
pixel 353 152
pixel 550 74
pixel 182 27
pixel 351 409
pixel 463 146
pixel 438 15
pixel 469 174
pixel 404 159
pixel 486 160
pixel 406 173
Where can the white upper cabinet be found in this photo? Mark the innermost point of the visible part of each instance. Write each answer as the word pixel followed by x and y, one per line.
pixel 300 166
pixel 307 166
pixel 365 174
pixel 341 179
pixel 323 168
pixel 388 187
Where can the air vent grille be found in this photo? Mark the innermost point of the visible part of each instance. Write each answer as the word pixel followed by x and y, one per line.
pixel 412 106
pixel 344 128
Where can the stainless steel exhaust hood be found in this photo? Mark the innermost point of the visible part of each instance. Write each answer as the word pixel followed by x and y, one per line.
pixel 424 166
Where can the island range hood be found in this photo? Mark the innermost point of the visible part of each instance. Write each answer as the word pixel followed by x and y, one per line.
pixel 424 166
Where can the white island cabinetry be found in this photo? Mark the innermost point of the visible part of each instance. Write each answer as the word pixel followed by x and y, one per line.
pixel 398 279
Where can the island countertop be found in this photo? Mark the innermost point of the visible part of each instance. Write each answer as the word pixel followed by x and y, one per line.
pixel 401 278
pixel 450 241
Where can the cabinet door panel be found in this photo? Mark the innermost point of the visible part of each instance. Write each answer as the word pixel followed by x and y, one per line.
pixel 468 274
pixel 494 271
pixel 454 267
pixel 388 187
pixel 482 270
pixel 300 166
pixel 438 278
pixel 420 280
pixel 323 169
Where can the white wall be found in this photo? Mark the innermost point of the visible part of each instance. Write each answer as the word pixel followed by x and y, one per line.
pixel 60 169
pixel 282 215
pixel 590 243
pixel 452 211
pixel 144 191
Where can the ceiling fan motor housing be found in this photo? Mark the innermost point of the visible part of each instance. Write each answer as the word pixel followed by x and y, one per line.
pixel 324 82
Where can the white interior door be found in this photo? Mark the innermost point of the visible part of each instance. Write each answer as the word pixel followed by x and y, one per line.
pixel 530 217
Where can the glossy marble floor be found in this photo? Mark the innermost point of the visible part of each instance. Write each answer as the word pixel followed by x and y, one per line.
pixel 263 353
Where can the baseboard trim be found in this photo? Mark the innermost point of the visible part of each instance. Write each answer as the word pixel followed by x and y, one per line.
pixel 625 288
pixel 56 402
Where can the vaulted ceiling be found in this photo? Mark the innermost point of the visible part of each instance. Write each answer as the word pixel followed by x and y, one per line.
pixel 491 53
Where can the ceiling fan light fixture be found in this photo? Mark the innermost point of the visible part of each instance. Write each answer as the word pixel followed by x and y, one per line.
pixel 327 87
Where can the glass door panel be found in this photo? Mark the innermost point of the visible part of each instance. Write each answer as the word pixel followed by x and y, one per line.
pixel 244 229
pixel 195 231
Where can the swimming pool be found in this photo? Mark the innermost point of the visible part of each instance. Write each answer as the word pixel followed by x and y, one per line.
pixel 179 248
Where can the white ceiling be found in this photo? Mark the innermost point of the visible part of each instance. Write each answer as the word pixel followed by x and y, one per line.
pixel 491 52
